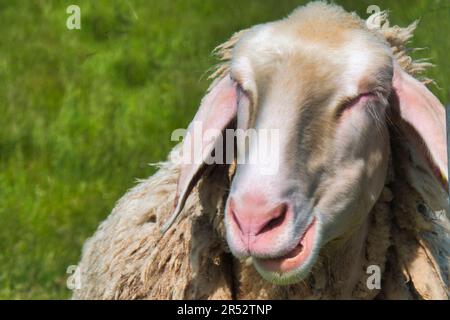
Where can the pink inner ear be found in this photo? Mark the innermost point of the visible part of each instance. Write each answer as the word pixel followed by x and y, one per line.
pixel 217 109
pixel 421 110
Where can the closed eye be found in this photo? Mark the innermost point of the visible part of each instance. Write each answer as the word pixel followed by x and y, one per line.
pixel 241 92
pixel 350 102
pixel 244 103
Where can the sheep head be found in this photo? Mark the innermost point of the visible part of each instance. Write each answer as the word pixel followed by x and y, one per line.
pixel 326 86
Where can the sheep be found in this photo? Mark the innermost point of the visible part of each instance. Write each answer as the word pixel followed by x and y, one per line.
pixel 317 228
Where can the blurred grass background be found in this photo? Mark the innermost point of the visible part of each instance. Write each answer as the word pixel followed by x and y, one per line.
pixel 82 113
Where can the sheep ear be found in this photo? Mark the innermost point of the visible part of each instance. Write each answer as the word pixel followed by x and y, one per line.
pixel 217 110
pixel 422 124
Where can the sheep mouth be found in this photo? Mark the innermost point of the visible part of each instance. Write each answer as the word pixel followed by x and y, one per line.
pixel 292 266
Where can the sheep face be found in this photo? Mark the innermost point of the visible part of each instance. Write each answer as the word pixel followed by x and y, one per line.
pixel 326 85
pixel 327 101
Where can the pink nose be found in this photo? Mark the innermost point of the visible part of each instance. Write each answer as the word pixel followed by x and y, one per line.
pixel 257 222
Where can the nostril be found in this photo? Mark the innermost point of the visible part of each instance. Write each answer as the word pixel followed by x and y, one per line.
pixel 276 221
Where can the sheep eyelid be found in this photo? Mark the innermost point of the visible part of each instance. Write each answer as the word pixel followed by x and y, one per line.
pixel 241 88
pixel 240 91
pixel 349 102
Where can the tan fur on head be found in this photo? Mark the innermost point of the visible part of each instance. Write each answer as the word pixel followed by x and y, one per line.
pixel 397 37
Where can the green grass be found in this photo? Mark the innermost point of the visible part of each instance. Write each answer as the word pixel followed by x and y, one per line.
pixel 82 113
